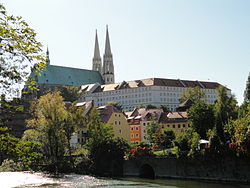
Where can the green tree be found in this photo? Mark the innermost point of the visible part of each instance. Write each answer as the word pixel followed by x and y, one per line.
pixel 97 130
pixel 193 143
pixel 201 117
pixel 181 142
pixel 194 94
pixel 247 90
pixel 19 53
pixel 167 136
pixel 50 115
pixel 107 156
pixel 150 106
pixel 153 131
pixel 215 142
pixel 28 153
pixel 165 108
pixel 225 109
pixel 8 144
pixel 70 93
pixel 242 132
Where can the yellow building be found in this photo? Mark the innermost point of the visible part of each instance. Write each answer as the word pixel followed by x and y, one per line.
pixel 177 121
pixel 111 115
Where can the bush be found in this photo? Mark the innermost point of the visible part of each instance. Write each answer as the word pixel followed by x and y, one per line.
pixel 139 151
pixel 9 165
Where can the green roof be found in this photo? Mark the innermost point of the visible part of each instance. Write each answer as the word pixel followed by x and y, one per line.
pixel 58 75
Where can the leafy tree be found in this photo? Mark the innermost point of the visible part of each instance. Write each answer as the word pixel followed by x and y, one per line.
pixel 97 130
pixel 150 106
pixel 225 109
pixel 167 137
pixel 107 156
pixel 194 94
pixel 193 143
pixel 28 153
pixel 153 132
pixel 181 141
pixel 50 115
pixel 201 117
pixel 141 106
pixel 7 144
pixel 165 108
pixel 215 141
pixel 242 132
pixel 247 91
pixel 19 52
pixel 70 93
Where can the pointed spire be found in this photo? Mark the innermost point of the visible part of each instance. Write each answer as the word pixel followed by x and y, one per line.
pixel 107 44
pixel 47 56
pixel 97 51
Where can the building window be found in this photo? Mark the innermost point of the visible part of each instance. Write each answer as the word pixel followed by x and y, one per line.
pixel 120 131
pixel 173 126
pixel 179 126
pixel 183 125
pixel 132 135
pixel 137 135
pixel 137 128
pixel 131 128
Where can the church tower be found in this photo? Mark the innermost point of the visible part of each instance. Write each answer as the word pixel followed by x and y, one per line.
pixel 108 67
pixel 97 61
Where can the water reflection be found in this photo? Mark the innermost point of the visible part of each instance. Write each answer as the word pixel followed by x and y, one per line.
pixel 28 180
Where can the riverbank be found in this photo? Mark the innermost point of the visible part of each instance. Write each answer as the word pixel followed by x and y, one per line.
pixel 26 179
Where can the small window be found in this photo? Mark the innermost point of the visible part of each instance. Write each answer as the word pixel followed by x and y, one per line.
pixel 183 125
pixel 132 128
pixel 137 128
pixel 173 126
pixel 179 126
pixel 137 135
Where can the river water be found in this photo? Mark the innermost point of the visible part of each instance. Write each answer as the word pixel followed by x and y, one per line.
pixel 40 180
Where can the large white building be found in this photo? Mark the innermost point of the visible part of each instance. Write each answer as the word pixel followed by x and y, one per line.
pixel 155 91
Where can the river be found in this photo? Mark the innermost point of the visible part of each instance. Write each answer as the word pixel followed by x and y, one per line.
pixel 28 180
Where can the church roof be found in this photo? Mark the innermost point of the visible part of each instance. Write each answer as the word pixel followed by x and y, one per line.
pixel 58 75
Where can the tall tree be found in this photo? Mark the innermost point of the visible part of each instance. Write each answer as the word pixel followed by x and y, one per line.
pixel 153 131
pixel 50 115
pixel 225 109
pixel 201 117
pixel 19 52
pixel 247 90
pixel 194 94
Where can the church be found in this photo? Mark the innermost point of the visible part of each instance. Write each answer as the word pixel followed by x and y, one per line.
pixel 102 72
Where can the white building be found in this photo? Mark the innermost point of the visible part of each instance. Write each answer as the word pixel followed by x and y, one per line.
pixel 155 91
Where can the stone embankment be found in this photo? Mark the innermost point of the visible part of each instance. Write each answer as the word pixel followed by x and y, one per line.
pixel 218 169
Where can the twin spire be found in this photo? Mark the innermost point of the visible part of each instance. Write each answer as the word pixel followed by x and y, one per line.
pixel 107 68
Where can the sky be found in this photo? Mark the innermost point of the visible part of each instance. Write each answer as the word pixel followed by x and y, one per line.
pixel 175 39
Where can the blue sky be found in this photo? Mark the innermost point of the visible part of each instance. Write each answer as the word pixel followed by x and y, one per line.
pixel 179 39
